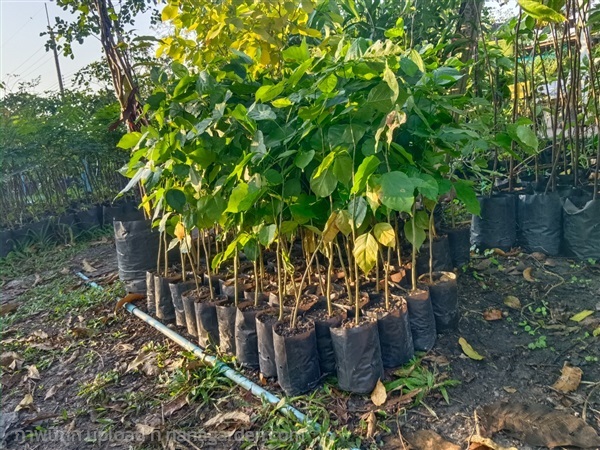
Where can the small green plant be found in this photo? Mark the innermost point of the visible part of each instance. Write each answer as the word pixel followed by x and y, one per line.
pixel 539 343
pixel 95 390
pixel 415 378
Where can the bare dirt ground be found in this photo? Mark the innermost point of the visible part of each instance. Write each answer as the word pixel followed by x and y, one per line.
pixel 75 374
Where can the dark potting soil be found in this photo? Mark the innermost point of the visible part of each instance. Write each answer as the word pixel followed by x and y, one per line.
pixel 268 317
pixel 303 325
pixel 350 322
pixel 250 306
pixel 200 295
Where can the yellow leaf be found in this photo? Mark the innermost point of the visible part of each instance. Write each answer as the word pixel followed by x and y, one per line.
pixel 169 12
pixel 468 350
pixel 379 396
pixel 331 230
pixel 179 231
pixel 596 332
pixel 281 103
pixel 385 234
pixel 581 315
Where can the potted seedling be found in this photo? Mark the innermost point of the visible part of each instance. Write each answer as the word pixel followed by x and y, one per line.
pixel 441 285
pixel 422 322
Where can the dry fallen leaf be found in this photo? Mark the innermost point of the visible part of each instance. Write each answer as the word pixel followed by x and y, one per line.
pixel 550 263
pixel 143 429
pixel 9 359
pixel 509 389
pixel 397 277
pixel 512 302
pixel 80 332
pixel 33 373
pixel 51 392
pixel 237 417
pixel 581 315
pixel 538 425
pixel 378 396
pixel 528 276
pixel 468 350
pixel 27 402
pixel 371 424
pixel 175 405
pixel 569 380
pixel 8 308
pixel 87 267
pixel 538 256
pixel 477 442
pixel 500 252
pixel 430 440
pixel 262 379
pixel 40 334
pixel 129 298
pixel 145 362
pixel 492 314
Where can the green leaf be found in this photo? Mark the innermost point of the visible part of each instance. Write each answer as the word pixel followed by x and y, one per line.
pixel 527 137
pixel 385 234
pixel 303 159
pixel 325 164
pixel 419 234
pixel 397 191
pixel 357 208
pixel 297 53
pixel 260 112
pixel 266 235
pixel 251 249
pixel 299 72
pixel 365 252
pixel 324 184
pixel 342 168
pixel 267 93
pixel 466 194
pixel 541 12
pixel 328 84
pixel 242 197
pixel 379 98
pixel 175 198
pixel 367 167
pixel 129 140
pixel 428 187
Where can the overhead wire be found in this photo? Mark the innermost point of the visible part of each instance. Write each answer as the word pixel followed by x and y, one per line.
pixel 35 53
pixel 16 33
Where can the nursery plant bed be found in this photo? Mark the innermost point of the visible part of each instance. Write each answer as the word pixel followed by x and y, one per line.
pixel 516 366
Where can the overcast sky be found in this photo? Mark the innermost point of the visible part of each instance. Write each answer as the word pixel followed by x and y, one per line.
pixel 24 58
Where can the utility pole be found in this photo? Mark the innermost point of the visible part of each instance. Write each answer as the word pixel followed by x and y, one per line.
pixel 60 80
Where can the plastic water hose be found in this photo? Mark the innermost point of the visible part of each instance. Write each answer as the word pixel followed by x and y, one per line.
pixel 223 368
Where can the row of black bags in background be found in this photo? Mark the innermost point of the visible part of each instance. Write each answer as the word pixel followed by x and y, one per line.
pixel 546 223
